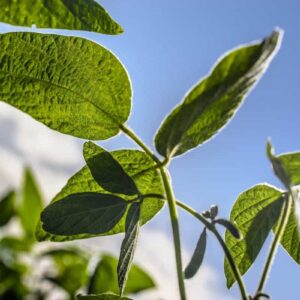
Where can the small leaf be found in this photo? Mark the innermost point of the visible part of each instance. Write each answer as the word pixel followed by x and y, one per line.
pixel 7 207
pixel 231 227
pixel 91 213
pixel 197 258
pixel 105 278
pixel 278 168
pixel 214 211
pixel 16 244
pixel 291 164
pixel 70 84
pixel 255 212
pixel 31 203
pixel 137 165
pixel 107 296
pixel 129 244
pixel 64 14
pixel 213 102
pixel 107 172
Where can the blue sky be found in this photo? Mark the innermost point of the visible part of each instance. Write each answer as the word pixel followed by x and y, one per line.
pixel 170 45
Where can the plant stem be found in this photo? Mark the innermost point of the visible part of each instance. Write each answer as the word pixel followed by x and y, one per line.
pixel 227 253
pixel 171 204
pixel 286 210
pixel 175 227
pixel 139 142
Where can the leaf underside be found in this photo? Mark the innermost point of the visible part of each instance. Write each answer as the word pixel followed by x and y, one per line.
pixel 137 165
pixel 64 14
pixel 70 84
pixel 214 100
pixel 255 212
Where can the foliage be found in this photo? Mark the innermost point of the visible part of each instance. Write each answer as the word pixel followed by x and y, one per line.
pixel 79 88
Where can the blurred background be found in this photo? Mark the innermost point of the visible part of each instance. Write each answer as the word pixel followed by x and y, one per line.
pixel 167 47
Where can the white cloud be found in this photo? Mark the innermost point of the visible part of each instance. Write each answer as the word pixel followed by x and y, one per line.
pixel 54 157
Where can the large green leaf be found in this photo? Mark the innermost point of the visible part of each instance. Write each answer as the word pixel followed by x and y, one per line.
pixel 70 84
pixel 132 227
pixel 255 212
pixel 83 213
pixel 107 296
pixel 215 99
pixel 64 14
pixel 105 278
pixel 71 269
pixel 31 203
pixel 136 164
pixel 7 207
pixel 107 171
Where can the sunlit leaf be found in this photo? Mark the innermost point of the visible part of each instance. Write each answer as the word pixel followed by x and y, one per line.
pixel 213 101
pixel 70 84
pixel 108 173
pixel 255 212
pixel 136 164
pixel 105 278
pixel 64 14
pixel 90 213
pixel 128 246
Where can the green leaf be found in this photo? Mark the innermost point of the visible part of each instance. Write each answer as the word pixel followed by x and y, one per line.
pixel 290 240
pixel 91 213
pixel 16 244
pixel 214 100
pixel 64 14
pixel 129 244
pixel 107 172
pixel 107 296
pixel 231 227
pixel 137 165
pixel 71 269
pixel 278 168
pixel 7 207
pixel 70 84
pixel 105 278
pixel 291 164
pixel 31 204
pixel 197 258
pixel 255 212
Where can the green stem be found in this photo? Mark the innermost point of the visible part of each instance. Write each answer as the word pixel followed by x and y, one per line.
pixel 139 142
pixel 171 204
pixel 283 220
pixel 227 253
pixel 175 226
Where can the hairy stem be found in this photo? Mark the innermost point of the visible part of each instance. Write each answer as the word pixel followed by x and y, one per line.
pixel 227 253
pixel 283 220
pixel 171 204
pixel 175 226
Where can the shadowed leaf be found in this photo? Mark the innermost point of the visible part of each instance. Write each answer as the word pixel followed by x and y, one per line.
pixel 7 207
pixel 91 213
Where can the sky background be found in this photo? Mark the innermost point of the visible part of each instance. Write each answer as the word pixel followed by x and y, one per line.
pixel 167 47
